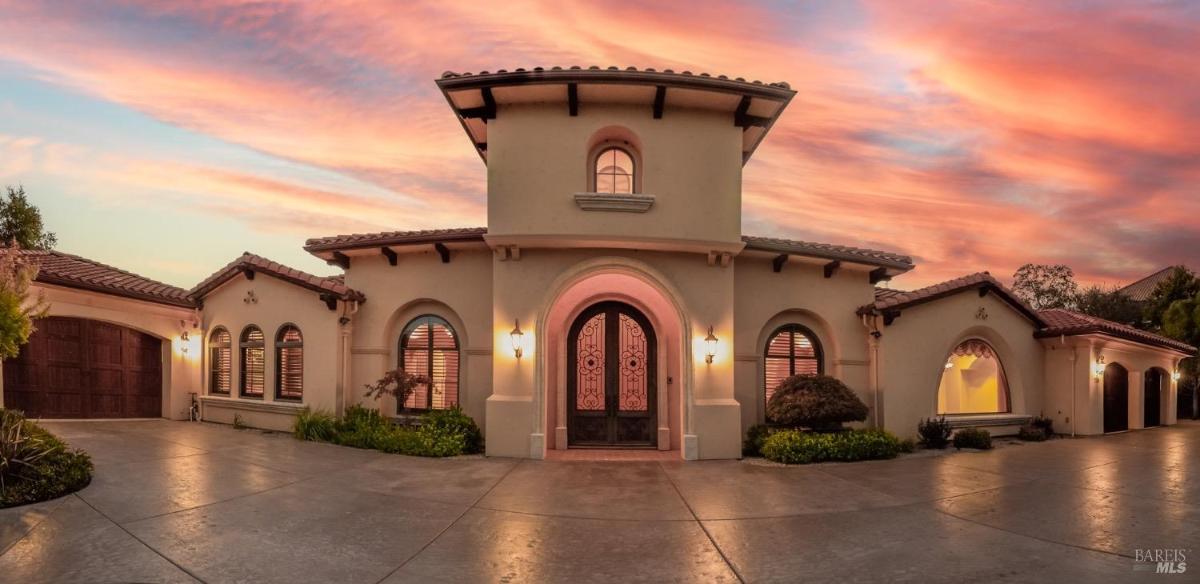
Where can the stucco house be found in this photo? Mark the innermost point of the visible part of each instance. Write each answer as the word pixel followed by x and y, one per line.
pixel 612 301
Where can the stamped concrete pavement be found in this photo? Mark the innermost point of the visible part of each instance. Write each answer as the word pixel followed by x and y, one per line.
pixel 187 502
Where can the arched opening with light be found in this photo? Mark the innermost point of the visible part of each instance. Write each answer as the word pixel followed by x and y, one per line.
pixel 973 381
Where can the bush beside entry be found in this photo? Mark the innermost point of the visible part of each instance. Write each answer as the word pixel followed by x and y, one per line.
pixel 934 432
pixel 35 465
pixel 796 447
pixel 973 438
pixel 439 433
pixel 755 437
pixel 820 402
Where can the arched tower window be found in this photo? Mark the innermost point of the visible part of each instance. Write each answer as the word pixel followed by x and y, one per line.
pixel 615 171
pixel 792 349
pixel 973 381
pixel 429 347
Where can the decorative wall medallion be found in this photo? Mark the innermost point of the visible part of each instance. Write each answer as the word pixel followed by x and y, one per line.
pixel 981 314
pixel 250 297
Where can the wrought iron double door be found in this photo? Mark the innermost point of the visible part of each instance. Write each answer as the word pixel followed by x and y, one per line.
pixel 611 375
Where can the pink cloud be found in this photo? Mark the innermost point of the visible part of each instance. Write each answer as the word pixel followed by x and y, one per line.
pixel 972 135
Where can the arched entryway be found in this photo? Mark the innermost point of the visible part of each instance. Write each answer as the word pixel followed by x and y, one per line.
pixel 1116 398
pixel 612 358
pixel 1153 390
pixel 973 381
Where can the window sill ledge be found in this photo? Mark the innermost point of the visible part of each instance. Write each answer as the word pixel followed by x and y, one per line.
pixel 255 405
pixel 619 203
pixel 980 420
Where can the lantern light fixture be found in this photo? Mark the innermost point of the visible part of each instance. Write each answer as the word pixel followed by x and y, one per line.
pixel 1098 368
pixel 711 343
pixel 515 336
pixel 1176 375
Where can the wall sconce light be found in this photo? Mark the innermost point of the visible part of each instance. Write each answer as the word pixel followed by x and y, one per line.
pixel 1098 368
pixel 711 343
pixel 515 336
pixel 1176 375
pixel 183 342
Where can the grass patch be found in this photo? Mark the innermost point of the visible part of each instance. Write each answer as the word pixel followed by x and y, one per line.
pixel 797 447
pixel 35 465
pixel 439 433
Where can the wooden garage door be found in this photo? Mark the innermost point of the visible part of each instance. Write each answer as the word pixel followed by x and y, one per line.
pixel 77 368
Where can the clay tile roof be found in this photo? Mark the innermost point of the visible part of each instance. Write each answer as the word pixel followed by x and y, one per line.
pixel 72 271
pixel 1061 322
pixel 752 94
pixel 885 293
pixel 333 285
pixel 614 69
pixel 896 300
pixel 829 251
pixel 1140 290
pixel 361 240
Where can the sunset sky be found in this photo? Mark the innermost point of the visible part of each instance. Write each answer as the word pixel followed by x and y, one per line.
pixel 168 137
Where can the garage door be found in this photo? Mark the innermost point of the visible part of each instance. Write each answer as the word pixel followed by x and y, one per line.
pixel 78 368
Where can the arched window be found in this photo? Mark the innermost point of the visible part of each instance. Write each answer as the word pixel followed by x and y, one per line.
pixel 614 171
pixel 220 361
pixel 289 363
pixel 792 349
pixel 973 381
pixel 253 356
pixel 429 347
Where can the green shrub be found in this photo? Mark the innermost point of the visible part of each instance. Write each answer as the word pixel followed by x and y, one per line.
pixel 755 436
pixel 797 447
pixel 441 432
pixel 1031 433
pixel 973 438
pixel 454 421
pixel 934 432
pixel 35 465
pixel 318 426
pixel 820 402
pixel 358 418
pixel 1044 424
pixel 908 445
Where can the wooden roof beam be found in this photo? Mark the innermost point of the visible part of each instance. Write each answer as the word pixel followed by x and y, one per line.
pixel 831 268
pixel 743 119
pixel 487 111
pixel 778 261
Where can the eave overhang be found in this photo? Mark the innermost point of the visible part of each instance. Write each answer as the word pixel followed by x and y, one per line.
pixel 753 106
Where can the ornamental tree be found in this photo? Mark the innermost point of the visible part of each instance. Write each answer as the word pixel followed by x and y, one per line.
pixel 397 383
pixel 820 402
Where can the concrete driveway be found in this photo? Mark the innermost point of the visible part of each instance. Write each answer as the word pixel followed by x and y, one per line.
pixel 185 502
